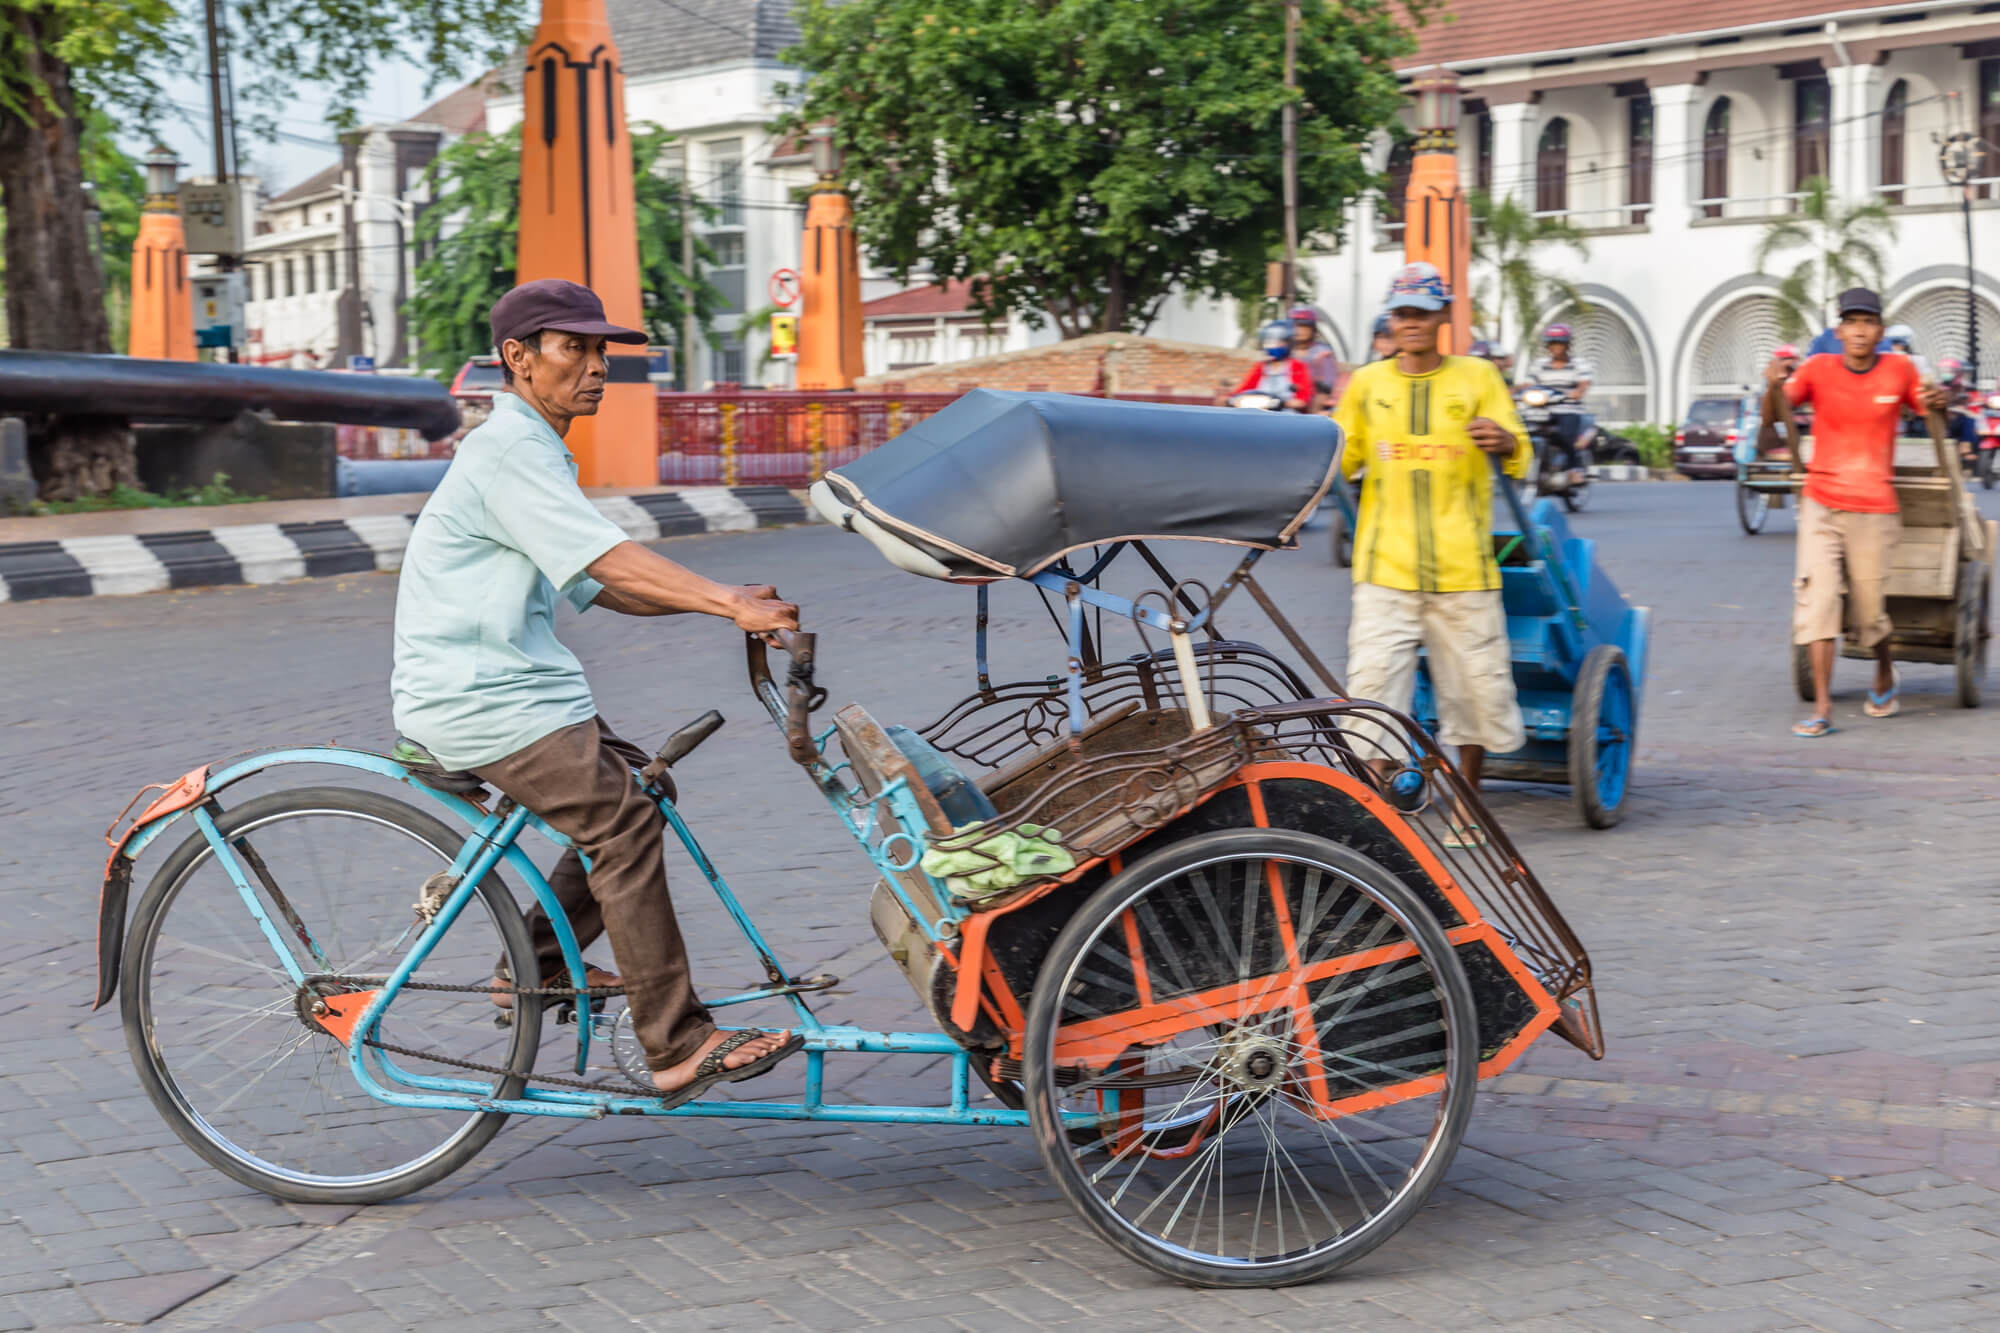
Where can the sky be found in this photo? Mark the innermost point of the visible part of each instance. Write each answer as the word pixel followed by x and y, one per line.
pixel 304 143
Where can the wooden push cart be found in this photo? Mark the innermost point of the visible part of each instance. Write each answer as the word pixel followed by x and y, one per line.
pixel 1942 586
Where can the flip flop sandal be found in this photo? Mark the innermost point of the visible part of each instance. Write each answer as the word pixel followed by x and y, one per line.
pixel 1886 705
pixel 1465 837
pixel 1813 728
pixel 711 1070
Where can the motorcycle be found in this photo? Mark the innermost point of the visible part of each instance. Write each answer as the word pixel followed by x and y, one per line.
pixel 1257 400
pixel 1989 441
pixel 1548 432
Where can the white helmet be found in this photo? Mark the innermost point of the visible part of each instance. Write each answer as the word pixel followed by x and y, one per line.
pixel 1900 333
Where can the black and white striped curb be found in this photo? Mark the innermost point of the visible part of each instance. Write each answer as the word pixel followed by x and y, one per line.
pixel 127 563
pixel 1621 472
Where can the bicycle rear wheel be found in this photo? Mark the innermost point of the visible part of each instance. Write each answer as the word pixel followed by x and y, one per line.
pixel 225 1043
pixel 1276 1046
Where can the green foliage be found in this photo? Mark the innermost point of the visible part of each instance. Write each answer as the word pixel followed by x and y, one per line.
pixel 216 492
pixel 1654 440
pixel 120 191
pixel 112 47
pixel 1509 240
pixel 1084 158
pixel 1844 245
pixel 476 185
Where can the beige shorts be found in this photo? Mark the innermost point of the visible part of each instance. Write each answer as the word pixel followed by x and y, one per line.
pixel 1472 669
pixel 1841 553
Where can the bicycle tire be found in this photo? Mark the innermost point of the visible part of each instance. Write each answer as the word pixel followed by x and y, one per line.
pixel 188 1121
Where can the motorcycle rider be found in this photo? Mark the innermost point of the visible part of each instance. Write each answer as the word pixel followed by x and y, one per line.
pixel 1557 369
pixel 1961 414
pixel 1328 375
pixel 1383 345
pixel 1279 374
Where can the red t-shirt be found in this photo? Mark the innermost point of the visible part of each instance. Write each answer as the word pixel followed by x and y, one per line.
pixel 1302 380
pixel 1855 415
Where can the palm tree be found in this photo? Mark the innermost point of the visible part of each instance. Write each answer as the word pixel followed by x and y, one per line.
pixel 1844 244
pixel 1508 239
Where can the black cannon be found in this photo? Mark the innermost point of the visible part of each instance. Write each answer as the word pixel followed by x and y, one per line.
pixel 141 389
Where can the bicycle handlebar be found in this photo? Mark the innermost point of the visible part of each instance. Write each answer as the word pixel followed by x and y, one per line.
pixel 791 707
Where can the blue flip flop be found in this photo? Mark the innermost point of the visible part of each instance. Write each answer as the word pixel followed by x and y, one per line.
pixel 1813 728
pixel 1886 705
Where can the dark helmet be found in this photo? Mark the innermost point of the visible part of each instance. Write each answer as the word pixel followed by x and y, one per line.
pixel 1480 348
pixel 1305 314
pixel 1381 324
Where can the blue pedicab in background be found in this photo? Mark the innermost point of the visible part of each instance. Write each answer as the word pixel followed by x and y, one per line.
pixel 1184 920
pixel 1579 650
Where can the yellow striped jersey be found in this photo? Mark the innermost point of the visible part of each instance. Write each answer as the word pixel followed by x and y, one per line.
pixel 1427 501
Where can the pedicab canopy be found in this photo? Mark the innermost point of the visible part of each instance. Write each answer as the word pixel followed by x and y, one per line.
pixel 1006 484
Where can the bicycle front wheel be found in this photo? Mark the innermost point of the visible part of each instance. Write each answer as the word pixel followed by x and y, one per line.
pixel 226 1044
pixel 1275 1043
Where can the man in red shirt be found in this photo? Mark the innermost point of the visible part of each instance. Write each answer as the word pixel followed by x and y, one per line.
pixel 1849 523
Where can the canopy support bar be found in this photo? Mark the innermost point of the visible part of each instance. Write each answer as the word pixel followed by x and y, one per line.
pixel 979 640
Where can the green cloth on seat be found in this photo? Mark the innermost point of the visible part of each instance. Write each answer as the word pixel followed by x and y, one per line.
pixel 1000 862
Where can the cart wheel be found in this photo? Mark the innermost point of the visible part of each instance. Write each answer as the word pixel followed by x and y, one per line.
pixel 1576 497
pixel 1985 468
pixel 1294 1004
pixel 1342 538
pixel 1968 641
pixel 1603 727
pixel 1752 508
pixel 1802 677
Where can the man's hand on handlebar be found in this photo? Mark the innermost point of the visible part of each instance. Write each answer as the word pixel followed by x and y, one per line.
pixel 760 612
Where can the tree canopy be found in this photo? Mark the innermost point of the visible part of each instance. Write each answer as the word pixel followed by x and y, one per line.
pixel 1081 159
pixel 1509 240
pixel 469 237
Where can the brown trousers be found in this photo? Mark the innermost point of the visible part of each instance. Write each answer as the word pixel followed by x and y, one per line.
pixel 579 780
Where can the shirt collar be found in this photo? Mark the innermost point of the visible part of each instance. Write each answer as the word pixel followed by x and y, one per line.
pixel 508 402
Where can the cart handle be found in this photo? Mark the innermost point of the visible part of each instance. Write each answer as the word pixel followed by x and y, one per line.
pixel 790 707
pixel 1537 548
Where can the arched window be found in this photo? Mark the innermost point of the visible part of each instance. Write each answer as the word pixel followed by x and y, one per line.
pixel 1395 194
pixel 1894 122
pixel 1715 158
pixel 1812 128
pixel 1482 138
pixel 1552 168
pixel 1638 155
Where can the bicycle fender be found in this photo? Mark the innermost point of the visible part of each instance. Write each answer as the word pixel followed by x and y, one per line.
pixel 185 791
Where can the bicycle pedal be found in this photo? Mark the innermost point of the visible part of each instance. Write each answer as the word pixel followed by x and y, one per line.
pixel 566 1009
pixel 503 1018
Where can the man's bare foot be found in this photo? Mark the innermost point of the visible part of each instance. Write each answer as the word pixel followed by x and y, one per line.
pixel 675 1078
pixel 592 976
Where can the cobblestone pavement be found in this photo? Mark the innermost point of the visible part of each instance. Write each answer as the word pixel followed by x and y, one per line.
pixel 1798 1126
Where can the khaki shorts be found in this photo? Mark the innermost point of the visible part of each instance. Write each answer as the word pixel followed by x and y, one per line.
pixel 1841 553
pixel 1472 668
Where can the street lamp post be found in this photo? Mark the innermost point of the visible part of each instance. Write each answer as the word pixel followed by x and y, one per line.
pixel 1958 159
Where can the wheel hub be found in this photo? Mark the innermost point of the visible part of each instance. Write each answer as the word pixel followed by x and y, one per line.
pixel 1252 1059
pixel 309 1002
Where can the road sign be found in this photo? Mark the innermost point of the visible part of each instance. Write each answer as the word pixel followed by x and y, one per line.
pixel 785 287
pixel 361 364
pixel 784 337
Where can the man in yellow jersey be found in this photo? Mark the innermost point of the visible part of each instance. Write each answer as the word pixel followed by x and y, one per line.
pixel 1422 425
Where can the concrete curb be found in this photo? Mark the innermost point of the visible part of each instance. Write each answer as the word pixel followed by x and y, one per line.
pixel 1621 472
pixel 115 565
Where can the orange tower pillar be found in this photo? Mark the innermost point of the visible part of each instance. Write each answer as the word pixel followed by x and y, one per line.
pixel 1438 219
pixel 162 304
pixel 829 281
pixel 578 222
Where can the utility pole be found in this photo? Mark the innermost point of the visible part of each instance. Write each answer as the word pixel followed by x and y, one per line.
pixel 1291 152
pixel 1958 160
pixel 218 125
pixel 690 321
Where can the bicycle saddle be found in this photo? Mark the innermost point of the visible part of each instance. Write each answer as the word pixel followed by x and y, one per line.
pixel 425 768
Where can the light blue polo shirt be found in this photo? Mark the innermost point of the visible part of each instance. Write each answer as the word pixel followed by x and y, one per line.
pixel 479 671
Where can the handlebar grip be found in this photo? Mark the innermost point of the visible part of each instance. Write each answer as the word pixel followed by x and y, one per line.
pixel 791 708
pixel 683 742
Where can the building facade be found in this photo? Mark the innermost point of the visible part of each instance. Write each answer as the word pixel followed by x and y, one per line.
pixel 333 259
pixel 1674 137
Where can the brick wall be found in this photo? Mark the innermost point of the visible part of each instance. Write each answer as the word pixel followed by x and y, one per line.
pixel 1113 363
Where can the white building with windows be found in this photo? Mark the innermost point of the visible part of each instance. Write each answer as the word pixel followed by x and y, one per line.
pixel 333 259
pixel 1673 137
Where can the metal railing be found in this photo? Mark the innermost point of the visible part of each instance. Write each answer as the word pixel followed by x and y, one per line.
pixel 1611 215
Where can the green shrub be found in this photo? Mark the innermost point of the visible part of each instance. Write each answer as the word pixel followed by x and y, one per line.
pixel 1654 440
pixel 217 492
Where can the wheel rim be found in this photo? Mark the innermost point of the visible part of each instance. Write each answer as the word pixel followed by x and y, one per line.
pixel 1614 737
pixel 223 1022
pixel 1295 1037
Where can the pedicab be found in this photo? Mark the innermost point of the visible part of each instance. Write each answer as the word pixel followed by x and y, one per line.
pixel 1579 651
pixel 1188 920
pixel 1940 593
pixel 1764 481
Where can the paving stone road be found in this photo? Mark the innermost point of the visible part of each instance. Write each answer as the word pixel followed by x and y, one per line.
pixel 1798 1126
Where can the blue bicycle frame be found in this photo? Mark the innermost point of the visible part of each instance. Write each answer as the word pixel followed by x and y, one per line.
pixel 888 825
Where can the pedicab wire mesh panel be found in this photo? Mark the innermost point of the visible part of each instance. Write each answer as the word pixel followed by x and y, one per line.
pixel 1105 792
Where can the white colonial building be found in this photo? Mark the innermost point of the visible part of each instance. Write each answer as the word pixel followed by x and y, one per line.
pixel 1673 136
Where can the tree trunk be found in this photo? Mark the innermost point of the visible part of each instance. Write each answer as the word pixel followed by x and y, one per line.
pixel 55 296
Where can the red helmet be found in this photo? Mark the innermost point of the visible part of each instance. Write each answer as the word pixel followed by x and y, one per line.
pixel 1304 314
pixel 1951 368
pixel 1785 352
pixel 1557 333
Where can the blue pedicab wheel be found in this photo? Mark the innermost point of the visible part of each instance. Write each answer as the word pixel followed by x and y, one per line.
pixel 223 1040
pixel 1275 1044
pixel 1602 726
pixel 1753 506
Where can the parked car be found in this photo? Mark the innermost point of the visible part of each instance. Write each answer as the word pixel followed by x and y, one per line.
pixel 1705 442
pixel 477 380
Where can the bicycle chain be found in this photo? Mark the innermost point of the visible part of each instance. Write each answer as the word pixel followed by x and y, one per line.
pixel 454 1062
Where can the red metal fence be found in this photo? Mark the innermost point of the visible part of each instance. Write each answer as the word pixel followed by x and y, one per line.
pixel 789 437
